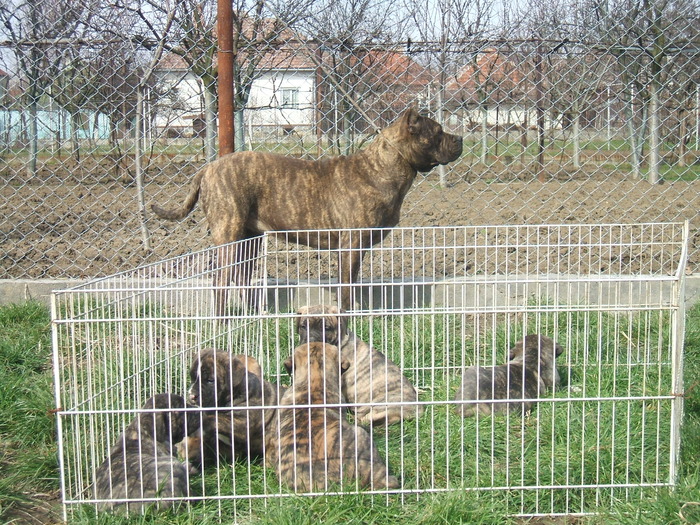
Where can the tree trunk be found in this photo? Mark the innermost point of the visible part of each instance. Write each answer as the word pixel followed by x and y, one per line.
pixel 140 188
pixel 576 138
pixel 539 103
pixel 523 137
pixel 636 136
pixel 484 133
pixel 74 145
pixel 33 138
pixel 654 143
pixel 210 149
pixel 240 130
pixel 442 171
pixel 682 136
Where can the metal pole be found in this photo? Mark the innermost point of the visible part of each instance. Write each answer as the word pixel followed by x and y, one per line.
pixel 224 28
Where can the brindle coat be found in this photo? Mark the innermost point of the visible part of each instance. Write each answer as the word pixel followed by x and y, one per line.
pixel 247 193
pixel 222 380
pixel 371 377
pixel 316 448
pixel 142 463
pixel 530 371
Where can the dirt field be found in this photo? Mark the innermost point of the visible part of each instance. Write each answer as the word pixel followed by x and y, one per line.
pixel 86 223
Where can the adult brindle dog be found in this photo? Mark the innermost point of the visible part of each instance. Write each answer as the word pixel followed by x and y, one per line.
pixel 247 193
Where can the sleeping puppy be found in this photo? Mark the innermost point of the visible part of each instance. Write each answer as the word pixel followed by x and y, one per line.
pixel 527 375
pixel 142 463
pixel 222 380
pixel 313 448
pixel 371 376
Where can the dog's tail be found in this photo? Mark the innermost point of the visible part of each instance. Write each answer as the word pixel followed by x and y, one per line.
pixel 187 206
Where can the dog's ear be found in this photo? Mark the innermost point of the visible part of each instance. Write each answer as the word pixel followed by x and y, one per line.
pixel 194 368
pixel 303 323
pixel 301 315
pixel 289 365
pixel 164 426
pixel 251 388
pixel 558 349
pixel 340 327
pixel 515 350
pixel 193 420
pixel 412 121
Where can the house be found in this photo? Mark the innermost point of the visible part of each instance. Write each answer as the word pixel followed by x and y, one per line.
pixel 301 88
pixel 494 88
pixel 281 97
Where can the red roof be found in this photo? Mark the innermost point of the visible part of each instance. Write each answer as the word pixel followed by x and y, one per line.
pixel 490 72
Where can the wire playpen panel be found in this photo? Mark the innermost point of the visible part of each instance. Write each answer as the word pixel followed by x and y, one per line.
pixel 432 305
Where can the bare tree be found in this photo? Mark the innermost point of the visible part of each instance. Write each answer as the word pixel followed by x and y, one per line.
pixel 646 34
pixel 458 27
pixel 37 28
pixel 356 63
pixel 260 30
pixel 576 73
pixel 195 38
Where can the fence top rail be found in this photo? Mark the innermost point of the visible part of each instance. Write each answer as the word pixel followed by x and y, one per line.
pixel 669 238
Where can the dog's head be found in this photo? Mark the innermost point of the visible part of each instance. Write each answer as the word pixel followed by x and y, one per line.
pixel 168 423
pixel 538 352
pixel 219 379
pixel 317 364
pixel 320 323
pixel 422 141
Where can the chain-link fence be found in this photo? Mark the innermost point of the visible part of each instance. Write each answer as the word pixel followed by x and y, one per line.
pixel 571 111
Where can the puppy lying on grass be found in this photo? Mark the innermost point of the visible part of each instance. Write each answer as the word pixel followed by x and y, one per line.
pixel 316 448
pixel 142 463
pixel 222 380
pixel 371 377
pixel 530 371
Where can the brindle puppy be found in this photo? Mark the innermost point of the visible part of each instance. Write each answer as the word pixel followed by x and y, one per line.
pixel 315 448
pixel 530 371
pixel 222 380
pixel 371 376
pixel 248 193
pixel 142 463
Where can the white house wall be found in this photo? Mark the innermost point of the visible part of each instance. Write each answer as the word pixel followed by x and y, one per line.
pixel 505 116
pixel 265 103
pixel 183 100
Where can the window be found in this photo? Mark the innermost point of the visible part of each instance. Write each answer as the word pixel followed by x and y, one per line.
pixel 290 97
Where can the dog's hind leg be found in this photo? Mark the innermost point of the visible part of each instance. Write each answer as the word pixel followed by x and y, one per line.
pixel 348 270
pixel 246 260
pixel 235 263
pixel 223 275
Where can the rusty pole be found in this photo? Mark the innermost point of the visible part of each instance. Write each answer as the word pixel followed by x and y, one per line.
pixel 224 27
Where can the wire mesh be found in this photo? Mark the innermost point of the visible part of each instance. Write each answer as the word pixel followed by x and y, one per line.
pixel 432 302
pixel 569 111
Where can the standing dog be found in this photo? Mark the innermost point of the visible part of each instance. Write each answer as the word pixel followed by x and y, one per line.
pixel 526 376
pixel 248 193
pixel 221 380
pixel 142 463
pixel 370 378
pixel 314 448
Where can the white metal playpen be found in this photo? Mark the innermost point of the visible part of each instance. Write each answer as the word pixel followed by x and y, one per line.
pixel 434 301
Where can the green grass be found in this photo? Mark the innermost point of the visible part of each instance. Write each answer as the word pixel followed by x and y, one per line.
pixel 27 429
pixel 28 465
